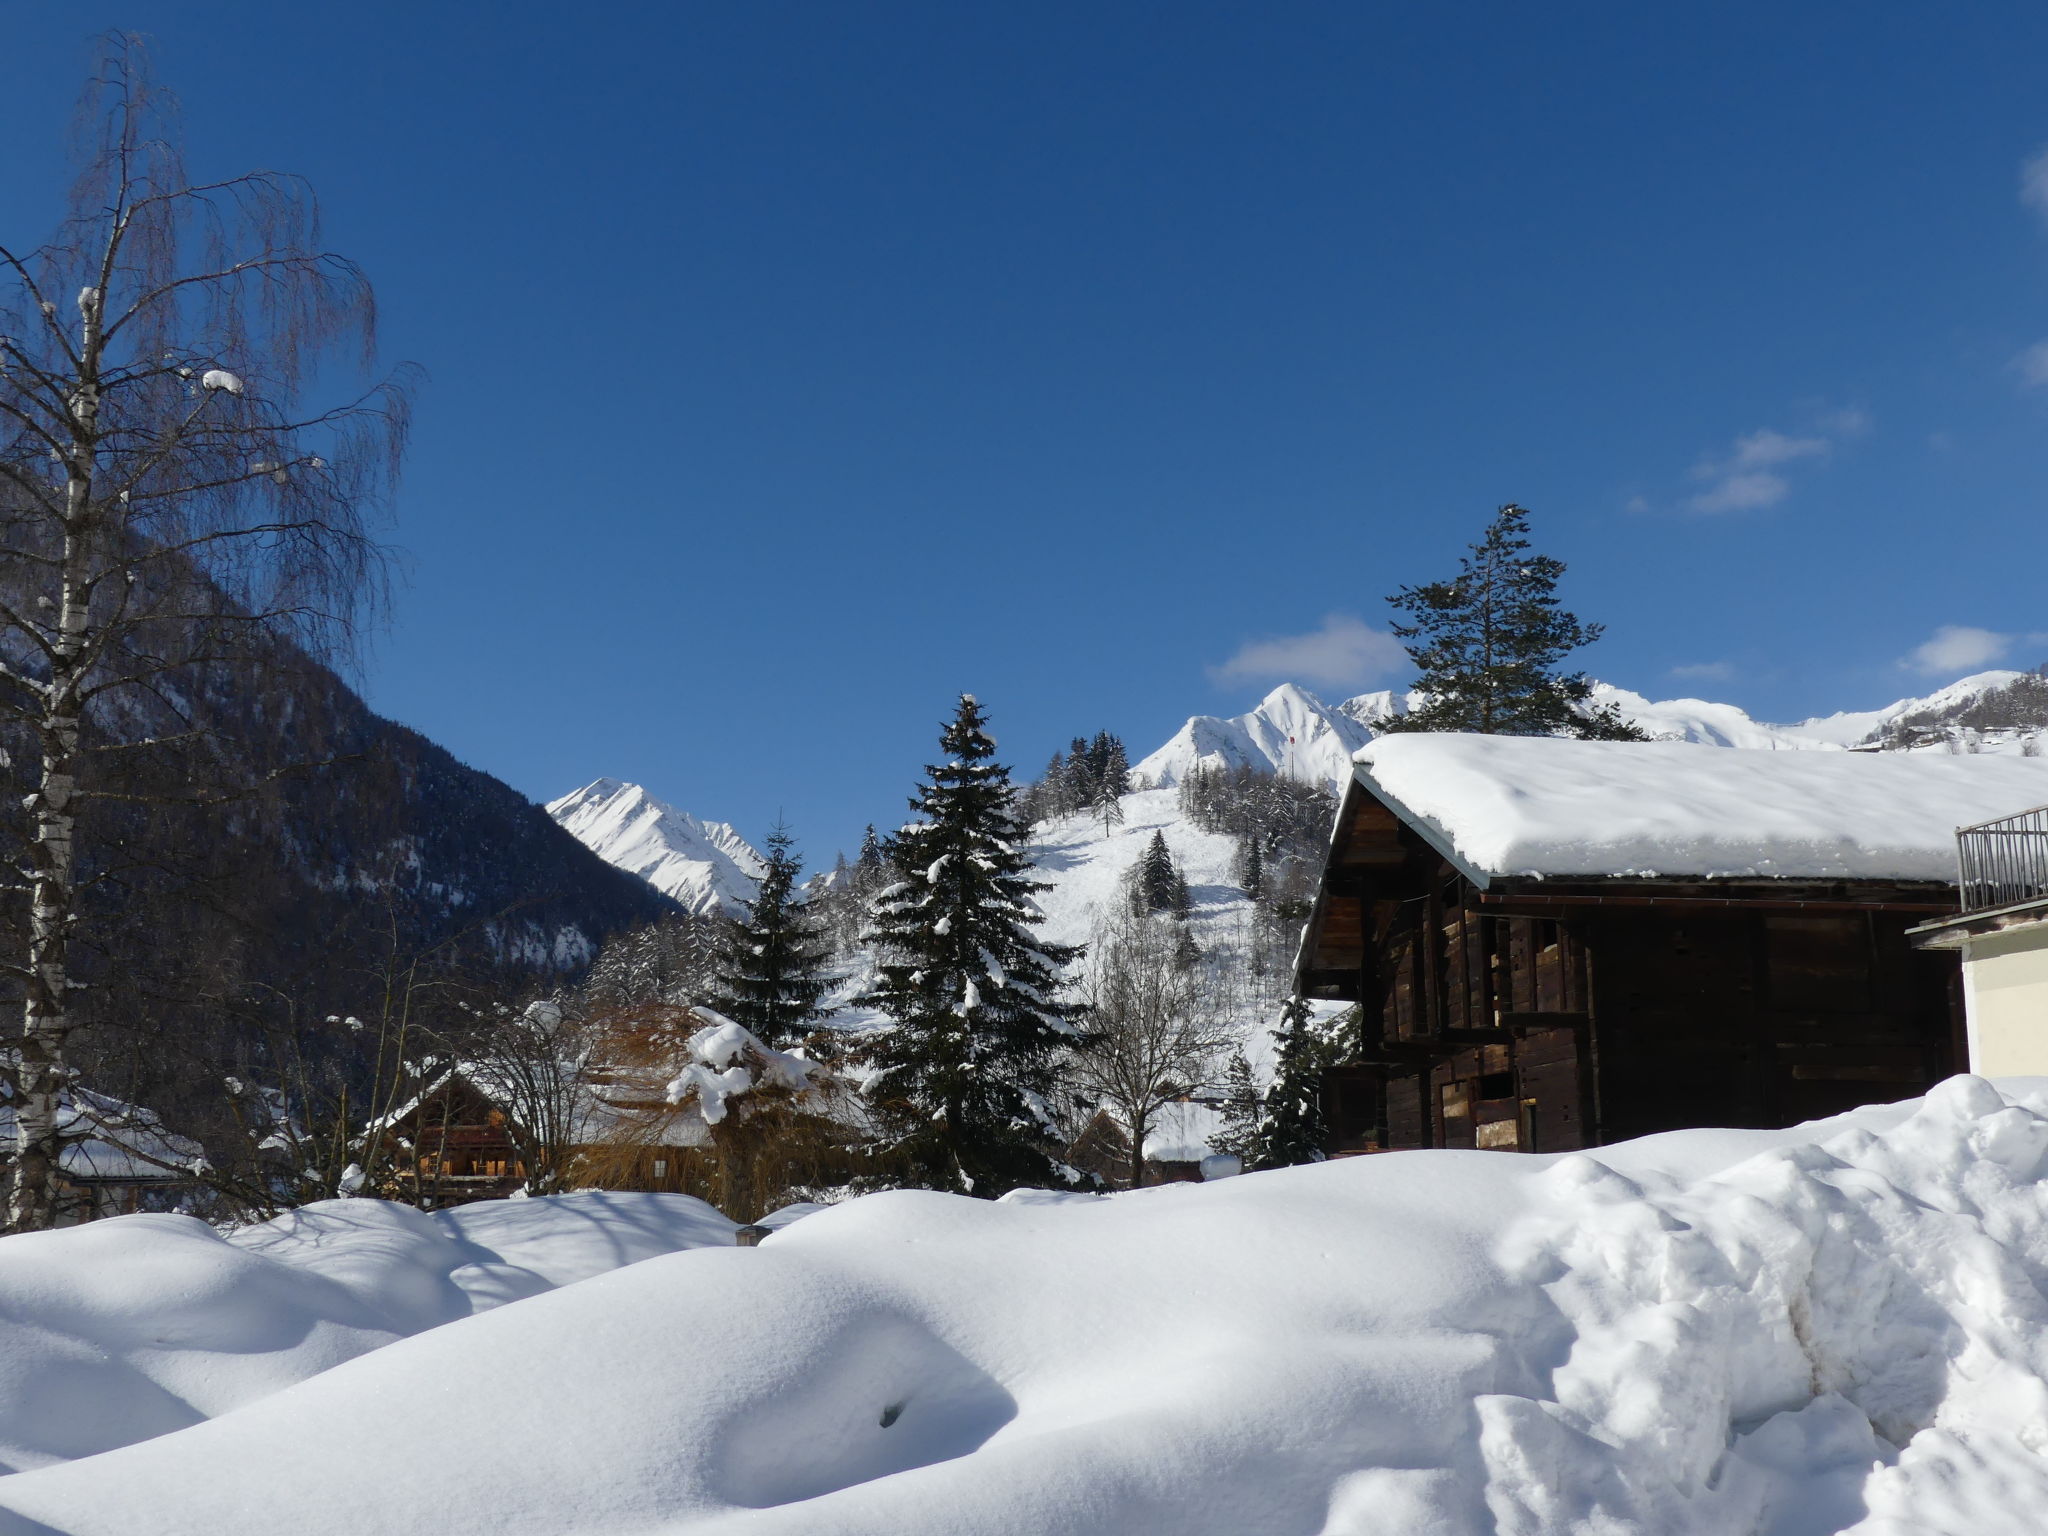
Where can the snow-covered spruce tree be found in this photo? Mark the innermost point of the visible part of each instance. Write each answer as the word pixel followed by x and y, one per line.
pixel 964 1084
pixel 1291 1127
pixel 178 531
pixel 771 971
pixel 1110 777
pixel 1251 869
pixel 1154 880
pixel 1242 1109
pixel 1488 644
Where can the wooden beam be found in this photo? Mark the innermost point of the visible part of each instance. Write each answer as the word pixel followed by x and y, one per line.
pixel 1507 903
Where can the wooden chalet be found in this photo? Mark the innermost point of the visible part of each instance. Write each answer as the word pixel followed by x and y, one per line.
pixel 1555 944
pixel 451 1145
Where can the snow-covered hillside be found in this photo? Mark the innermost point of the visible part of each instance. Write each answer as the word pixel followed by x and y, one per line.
pixel 1837 1328
pixel 705 865
pixel 1085 864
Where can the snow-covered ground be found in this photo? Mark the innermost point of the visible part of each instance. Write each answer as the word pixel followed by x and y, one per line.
pixel 124 1329
pixel 1840 1327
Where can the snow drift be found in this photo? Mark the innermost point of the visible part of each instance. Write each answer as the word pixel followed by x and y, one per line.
pixel 120 1330
pixel 1836 1327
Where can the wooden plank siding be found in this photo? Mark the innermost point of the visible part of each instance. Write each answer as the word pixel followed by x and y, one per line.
pixel 1548 1015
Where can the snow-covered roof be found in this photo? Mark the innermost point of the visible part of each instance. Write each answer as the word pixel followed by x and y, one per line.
pixel 1503 806
pixel 105 1138
pixel 1180 1132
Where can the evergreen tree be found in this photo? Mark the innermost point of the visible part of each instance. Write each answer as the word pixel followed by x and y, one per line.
pixel 1109 775
pixel 1079 785
pixel 1180 901
pixel 1488 644
pixel 1251 869
pixel 1152 878
pixel 1048 797
pixel 871 867
pixel 1242 1108
pixel 964 1083
pixel 1291 1129
pixel 771 971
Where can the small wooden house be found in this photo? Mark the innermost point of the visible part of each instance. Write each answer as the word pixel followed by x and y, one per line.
pixel 451 1144
pixel 1555 944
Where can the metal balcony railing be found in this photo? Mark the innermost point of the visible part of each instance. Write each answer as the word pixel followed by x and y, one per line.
pixel 2004 862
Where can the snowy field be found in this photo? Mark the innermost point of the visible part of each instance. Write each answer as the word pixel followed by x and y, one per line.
pixel 1839 1327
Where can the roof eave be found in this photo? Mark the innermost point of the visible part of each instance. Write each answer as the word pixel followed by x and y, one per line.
pixel 1423 828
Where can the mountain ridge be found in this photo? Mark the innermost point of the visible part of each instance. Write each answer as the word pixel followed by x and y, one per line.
pixel 706 866
pixel 709 867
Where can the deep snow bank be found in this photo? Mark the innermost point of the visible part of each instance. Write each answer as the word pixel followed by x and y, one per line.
pixel 1836 1327
pixel 124 1329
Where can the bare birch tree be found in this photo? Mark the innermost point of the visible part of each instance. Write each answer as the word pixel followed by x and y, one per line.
pixel 176 525
pixel 1157 1031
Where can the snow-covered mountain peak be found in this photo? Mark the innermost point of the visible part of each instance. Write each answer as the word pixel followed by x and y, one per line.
pixel 1290 731
pixel 705 865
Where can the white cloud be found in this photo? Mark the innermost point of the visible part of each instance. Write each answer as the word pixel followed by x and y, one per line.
pixel 1743 493
pixel 2032 365
pixel 1705 671
pixel 1850 421
pixel 2034 181
pixel 1955 649
pixel 1750 473
pixel 1345 653
pixel 1761 449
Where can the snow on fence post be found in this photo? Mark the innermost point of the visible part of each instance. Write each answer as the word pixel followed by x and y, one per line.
pixel 750 1237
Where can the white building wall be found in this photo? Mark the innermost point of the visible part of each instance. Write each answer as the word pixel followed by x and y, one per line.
pixel 2005 995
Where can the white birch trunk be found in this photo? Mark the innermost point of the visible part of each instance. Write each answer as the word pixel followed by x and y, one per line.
pixel 53 871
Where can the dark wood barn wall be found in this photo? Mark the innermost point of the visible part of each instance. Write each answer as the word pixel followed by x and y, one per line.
pixel 1563 1017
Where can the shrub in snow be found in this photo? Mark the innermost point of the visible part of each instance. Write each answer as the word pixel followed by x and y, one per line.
pixel 733 1121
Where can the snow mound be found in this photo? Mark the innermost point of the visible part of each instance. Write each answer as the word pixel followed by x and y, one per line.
pixel 1839 1327
pixel 705 865
pixel 1515 805
pixel 120 1330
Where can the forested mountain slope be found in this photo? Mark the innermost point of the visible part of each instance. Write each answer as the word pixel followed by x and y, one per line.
pixel 300 863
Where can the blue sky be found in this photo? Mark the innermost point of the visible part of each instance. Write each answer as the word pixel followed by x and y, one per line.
pixel 796 366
